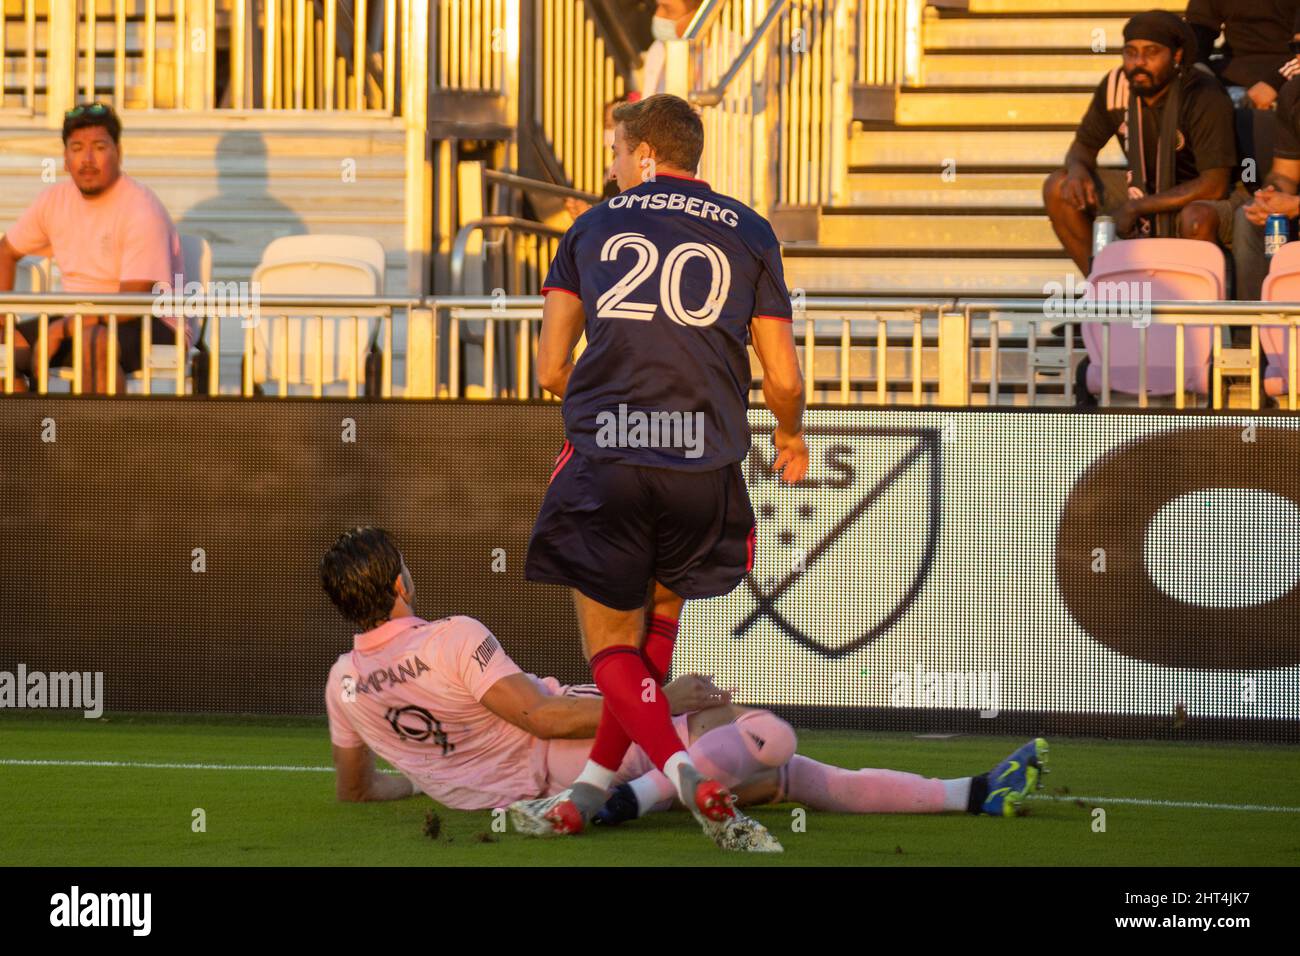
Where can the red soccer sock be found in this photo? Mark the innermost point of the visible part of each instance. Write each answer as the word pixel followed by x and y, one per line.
pixel 624 681
pixel 660 636
pixel 612 741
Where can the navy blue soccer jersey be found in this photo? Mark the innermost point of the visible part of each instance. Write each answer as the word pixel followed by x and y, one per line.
pixel 670 273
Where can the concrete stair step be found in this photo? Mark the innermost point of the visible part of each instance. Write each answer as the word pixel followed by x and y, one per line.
pixel 303 199
pixel 937 147
pixel 1050 7
pixel 228 231
pixel 224 146
pixel 924 229
pixel 869 273
pixel 237 266
pixel 966 190
pixel 933 106
pixel 975 69
pixel 1081 33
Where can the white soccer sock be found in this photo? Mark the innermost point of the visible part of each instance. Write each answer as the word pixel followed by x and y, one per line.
pixel 653 791
pixel 673 771
pixel 602 778
pixel 956 793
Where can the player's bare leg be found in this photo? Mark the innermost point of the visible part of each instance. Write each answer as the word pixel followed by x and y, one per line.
pixel 662 611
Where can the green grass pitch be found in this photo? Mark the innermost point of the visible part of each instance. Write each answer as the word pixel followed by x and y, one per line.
pixel 56 814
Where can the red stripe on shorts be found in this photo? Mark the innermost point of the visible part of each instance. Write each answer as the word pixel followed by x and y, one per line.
pixel 562 458
pixel 749 546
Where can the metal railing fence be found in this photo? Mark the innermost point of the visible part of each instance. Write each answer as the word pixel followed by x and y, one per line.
pixel 854 350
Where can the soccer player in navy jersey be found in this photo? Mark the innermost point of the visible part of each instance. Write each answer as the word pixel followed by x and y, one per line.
pixel 647 507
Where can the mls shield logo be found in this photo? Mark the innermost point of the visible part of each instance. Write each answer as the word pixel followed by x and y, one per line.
pixel 843 554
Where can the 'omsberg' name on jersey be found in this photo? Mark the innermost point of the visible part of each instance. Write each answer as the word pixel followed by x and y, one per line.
pixel 691 205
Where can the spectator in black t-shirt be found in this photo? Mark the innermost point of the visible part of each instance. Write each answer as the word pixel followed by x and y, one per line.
pixel 1277 195
pixel 1256 34
pixel 1152 102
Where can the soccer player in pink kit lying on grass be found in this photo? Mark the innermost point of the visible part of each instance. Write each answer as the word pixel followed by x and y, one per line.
pixel 443 703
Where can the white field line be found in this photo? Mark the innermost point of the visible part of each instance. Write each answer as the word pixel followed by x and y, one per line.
pixel 130 764
pixel 161 766
pixel 136 765
pixel 1179 804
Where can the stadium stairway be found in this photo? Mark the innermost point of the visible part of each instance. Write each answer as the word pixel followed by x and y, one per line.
pixel 947 198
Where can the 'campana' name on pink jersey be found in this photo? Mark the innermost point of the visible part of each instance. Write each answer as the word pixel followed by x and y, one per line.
pixel 410 690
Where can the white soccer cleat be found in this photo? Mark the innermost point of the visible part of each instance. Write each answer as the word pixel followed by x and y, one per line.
pixel 742 834
pixel 714 808
pixel 547 816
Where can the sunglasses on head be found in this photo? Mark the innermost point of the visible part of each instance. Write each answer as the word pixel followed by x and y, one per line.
pixel 91 109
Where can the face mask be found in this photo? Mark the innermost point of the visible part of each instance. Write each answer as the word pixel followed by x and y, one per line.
pixel 661 28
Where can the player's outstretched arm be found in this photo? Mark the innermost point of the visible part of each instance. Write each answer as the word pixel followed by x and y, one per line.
pixel 357 780
pixel 783 390
pixel 519 700
pixel 562 323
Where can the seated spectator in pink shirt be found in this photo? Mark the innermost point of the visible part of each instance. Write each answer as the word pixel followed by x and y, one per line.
pixel 107 233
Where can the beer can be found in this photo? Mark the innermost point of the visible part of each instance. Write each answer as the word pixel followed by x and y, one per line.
pixel 1103 233
pixel 1277 232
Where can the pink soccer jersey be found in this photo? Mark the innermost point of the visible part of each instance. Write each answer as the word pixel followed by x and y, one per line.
pixel 410 691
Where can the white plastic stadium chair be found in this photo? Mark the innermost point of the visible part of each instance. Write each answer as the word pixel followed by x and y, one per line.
pixel 1281 285
pixel 314 265
pixel 1176 269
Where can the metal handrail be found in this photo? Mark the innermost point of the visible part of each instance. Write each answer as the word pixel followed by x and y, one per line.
pixel 713 96
pixel 703 19
pixel 130 303
pixel 538 186
pixel 219 301
pixel 458 247
pixel 618 35
pixel 957 341
pixel 1262 313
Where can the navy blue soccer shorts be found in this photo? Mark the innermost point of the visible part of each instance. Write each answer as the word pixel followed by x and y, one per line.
pixel 610 529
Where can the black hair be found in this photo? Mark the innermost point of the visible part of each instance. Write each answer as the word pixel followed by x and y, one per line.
pixel 358 575
pixel 87 115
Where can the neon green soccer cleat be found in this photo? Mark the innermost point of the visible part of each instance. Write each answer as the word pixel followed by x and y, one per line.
pixel 1012 780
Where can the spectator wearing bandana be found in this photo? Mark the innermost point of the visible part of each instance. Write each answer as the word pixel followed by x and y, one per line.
pixel 1176 126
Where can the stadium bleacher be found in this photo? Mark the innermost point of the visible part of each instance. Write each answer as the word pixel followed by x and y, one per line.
pixel 907 145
